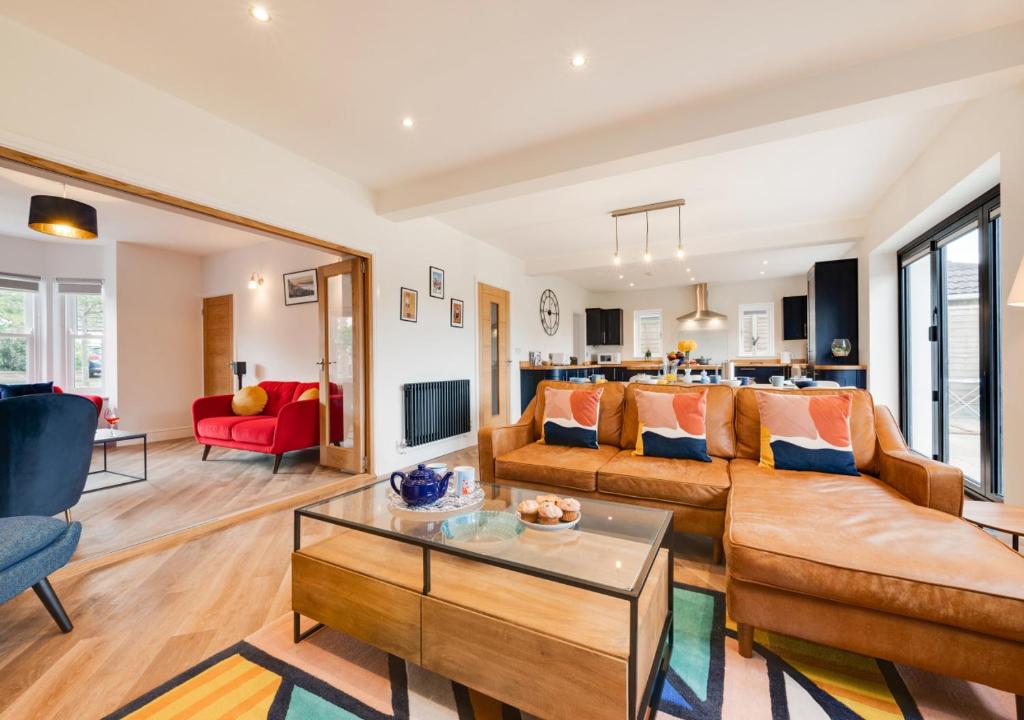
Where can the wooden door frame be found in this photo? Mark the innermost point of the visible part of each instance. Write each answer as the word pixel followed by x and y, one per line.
pixel 17 157
pixel 503 342
pixel 231 303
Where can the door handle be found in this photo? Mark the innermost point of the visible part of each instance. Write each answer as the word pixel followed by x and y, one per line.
pixel 321 363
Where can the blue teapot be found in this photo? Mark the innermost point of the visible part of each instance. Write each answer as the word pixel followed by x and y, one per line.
pixel 422 486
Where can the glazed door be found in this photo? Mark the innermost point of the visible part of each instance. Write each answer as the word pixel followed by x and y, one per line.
pixel 342 370
pixel 492 317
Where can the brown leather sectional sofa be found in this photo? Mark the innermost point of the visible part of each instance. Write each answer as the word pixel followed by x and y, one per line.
pixel 880 564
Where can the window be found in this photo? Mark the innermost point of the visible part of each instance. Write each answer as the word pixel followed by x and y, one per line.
pixel 647 333
pixel 757 330
pixel 949 344
pixel 19 299
pixel 82 302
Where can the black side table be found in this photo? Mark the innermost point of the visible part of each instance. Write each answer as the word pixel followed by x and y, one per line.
pixel 104 438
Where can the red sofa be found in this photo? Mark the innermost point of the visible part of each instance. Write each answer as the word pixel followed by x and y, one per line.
pixel 96 399
pixel 285 424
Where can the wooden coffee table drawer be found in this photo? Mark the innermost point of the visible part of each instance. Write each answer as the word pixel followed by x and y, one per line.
pixel 376 612
pixel 505 660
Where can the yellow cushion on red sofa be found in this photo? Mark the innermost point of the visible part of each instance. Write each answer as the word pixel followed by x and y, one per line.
pixel 249 401
pixel 310 394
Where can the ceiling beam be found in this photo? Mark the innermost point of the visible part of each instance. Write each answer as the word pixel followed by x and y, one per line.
pixel 934 75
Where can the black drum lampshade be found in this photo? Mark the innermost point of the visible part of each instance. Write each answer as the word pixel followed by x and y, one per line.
pixel 62 217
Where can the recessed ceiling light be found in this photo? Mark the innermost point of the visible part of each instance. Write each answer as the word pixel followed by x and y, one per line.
pixel 408 123
pixel 632 284
pixel 693 279
pixel 764 262
pixel 762 272
pixel 621 276
pixel 687 269
pixel 578 60
pixel 260 13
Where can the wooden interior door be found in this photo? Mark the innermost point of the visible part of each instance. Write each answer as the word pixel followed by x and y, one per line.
pixel 342 365
pixel 218 344
pixel 495 359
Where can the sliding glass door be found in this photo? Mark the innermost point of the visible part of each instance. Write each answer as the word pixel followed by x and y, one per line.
pixel 949 346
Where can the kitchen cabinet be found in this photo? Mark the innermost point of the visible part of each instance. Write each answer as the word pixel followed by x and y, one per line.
pixel 604 326
pixel 761 373
pixel 794 317
pixel 832 311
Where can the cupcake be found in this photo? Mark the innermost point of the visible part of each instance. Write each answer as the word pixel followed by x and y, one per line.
pixel 549 514
pixel 570 508
pixel 528 510
pixel 541 499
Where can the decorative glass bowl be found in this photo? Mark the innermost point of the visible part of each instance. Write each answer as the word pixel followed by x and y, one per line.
pixel 841 347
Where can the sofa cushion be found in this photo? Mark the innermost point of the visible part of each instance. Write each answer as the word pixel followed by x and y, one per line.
pixel 303 388
pixel 279 394
pixel 806 432
pixel 249 400
pixel 25 535
pixel 259 431
pixel 570 416
pixel 13 391
pixel 609 420
pixel 862 424
pixel 672 425
pixel 718 421
pixel 219 428
pixel 567 467
pixel 855 540
pixel 687 482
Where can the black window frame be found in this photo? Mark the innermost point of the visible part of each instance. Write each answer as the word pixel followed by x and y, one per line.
pixel 983 212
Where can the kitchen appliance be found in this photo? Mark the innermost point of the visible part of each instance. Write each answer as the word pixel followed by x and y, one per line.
pixel 558 358
pixel 703 313
pixel 608 358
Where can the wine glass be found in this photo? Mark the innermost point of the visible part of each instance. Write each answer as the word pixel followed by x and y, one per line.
pixel 111 416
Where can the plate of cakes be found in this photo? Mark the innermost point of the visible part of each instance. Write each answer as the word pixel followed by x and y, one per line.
pixel 549 513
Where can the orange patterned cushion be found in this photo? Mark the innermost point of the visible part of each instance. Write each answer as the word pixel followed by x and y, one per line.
pixel 806 432
pixel 570 417
pixel 672 425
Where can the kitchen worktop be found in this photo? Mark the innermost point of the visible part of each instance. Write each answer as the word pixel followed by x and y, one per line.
pixel 629 364
pixel 762 362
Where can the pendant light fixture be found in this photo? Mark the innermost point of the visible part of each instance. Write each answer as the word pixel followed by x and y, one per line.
pixel 647 237
pixel 646 210
pixel 616 259
pixel 680 253
pixel 62 217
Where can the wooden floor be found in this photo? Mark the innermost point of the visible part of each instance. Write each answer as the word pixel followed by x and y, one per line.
pixel 182 490
pixel 140 622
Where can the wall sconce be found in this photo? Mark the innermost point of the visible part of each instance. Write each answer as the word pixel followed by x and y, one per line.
pixel 255 281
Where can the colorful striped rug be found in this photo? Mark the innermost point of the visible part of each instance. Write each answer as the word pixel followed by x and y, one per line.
pixel 331 676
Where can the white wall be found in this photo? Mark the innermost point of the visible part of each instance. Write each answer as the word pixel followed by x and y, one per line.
pixel 278 342
pixel 981 146
pixel 159 339
pixel 720 343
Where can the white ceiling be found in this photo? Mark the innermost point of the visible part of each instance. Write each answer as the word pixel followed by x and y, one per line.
pixel 332 79
pixel 808 192
pixel 120 219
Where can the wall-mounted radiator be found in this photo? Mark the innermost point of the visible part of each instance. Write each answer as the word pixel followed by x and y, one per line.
pixel 436 410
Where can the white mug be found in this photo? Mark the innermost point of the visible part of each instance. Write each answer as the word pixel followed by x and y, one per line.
pixel 438 468
pixel 777 380
pixel 465 479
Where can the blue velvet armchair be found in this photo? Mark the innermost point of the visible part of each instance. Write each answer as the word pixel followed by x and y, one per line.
pixel 45 449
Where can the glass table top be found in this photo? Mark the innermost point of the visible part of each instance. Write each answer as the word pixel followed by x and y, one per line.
pixel 612 546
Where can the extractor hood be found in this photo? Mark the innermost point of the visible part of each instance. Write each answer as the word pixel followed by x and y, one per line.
pixel 702 313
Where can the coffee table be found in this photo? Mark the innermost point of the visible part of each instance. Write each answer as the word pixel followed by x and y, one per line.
pixel 111 435
pixel 568 624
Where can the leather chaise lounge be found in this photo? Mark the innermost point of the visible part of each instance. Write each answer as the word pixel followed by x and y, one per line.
pixel 880 564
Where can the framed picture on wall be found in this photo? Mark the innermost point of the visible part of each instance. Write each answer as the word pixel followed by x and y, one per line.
pixel 436 282
pixel 409 308
pixel 458 308
pixel 300 287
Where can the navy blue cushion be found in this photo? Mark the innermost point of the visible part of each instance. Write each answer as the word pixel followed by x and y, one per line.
pixel 20 539
pixel 13 391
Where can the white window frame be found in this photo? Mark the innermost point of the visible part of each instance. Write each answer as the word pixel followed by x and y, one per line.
pixel 741 315
pixel 638 351
pixel 32 359
pixel 69 336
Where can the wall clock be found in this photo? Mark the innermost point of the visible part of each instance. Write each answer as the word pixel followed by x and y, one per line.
pixel 549 312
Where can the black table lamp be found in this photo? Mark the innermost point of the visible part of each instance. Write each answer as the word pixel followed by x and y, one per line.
pixel 238 368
